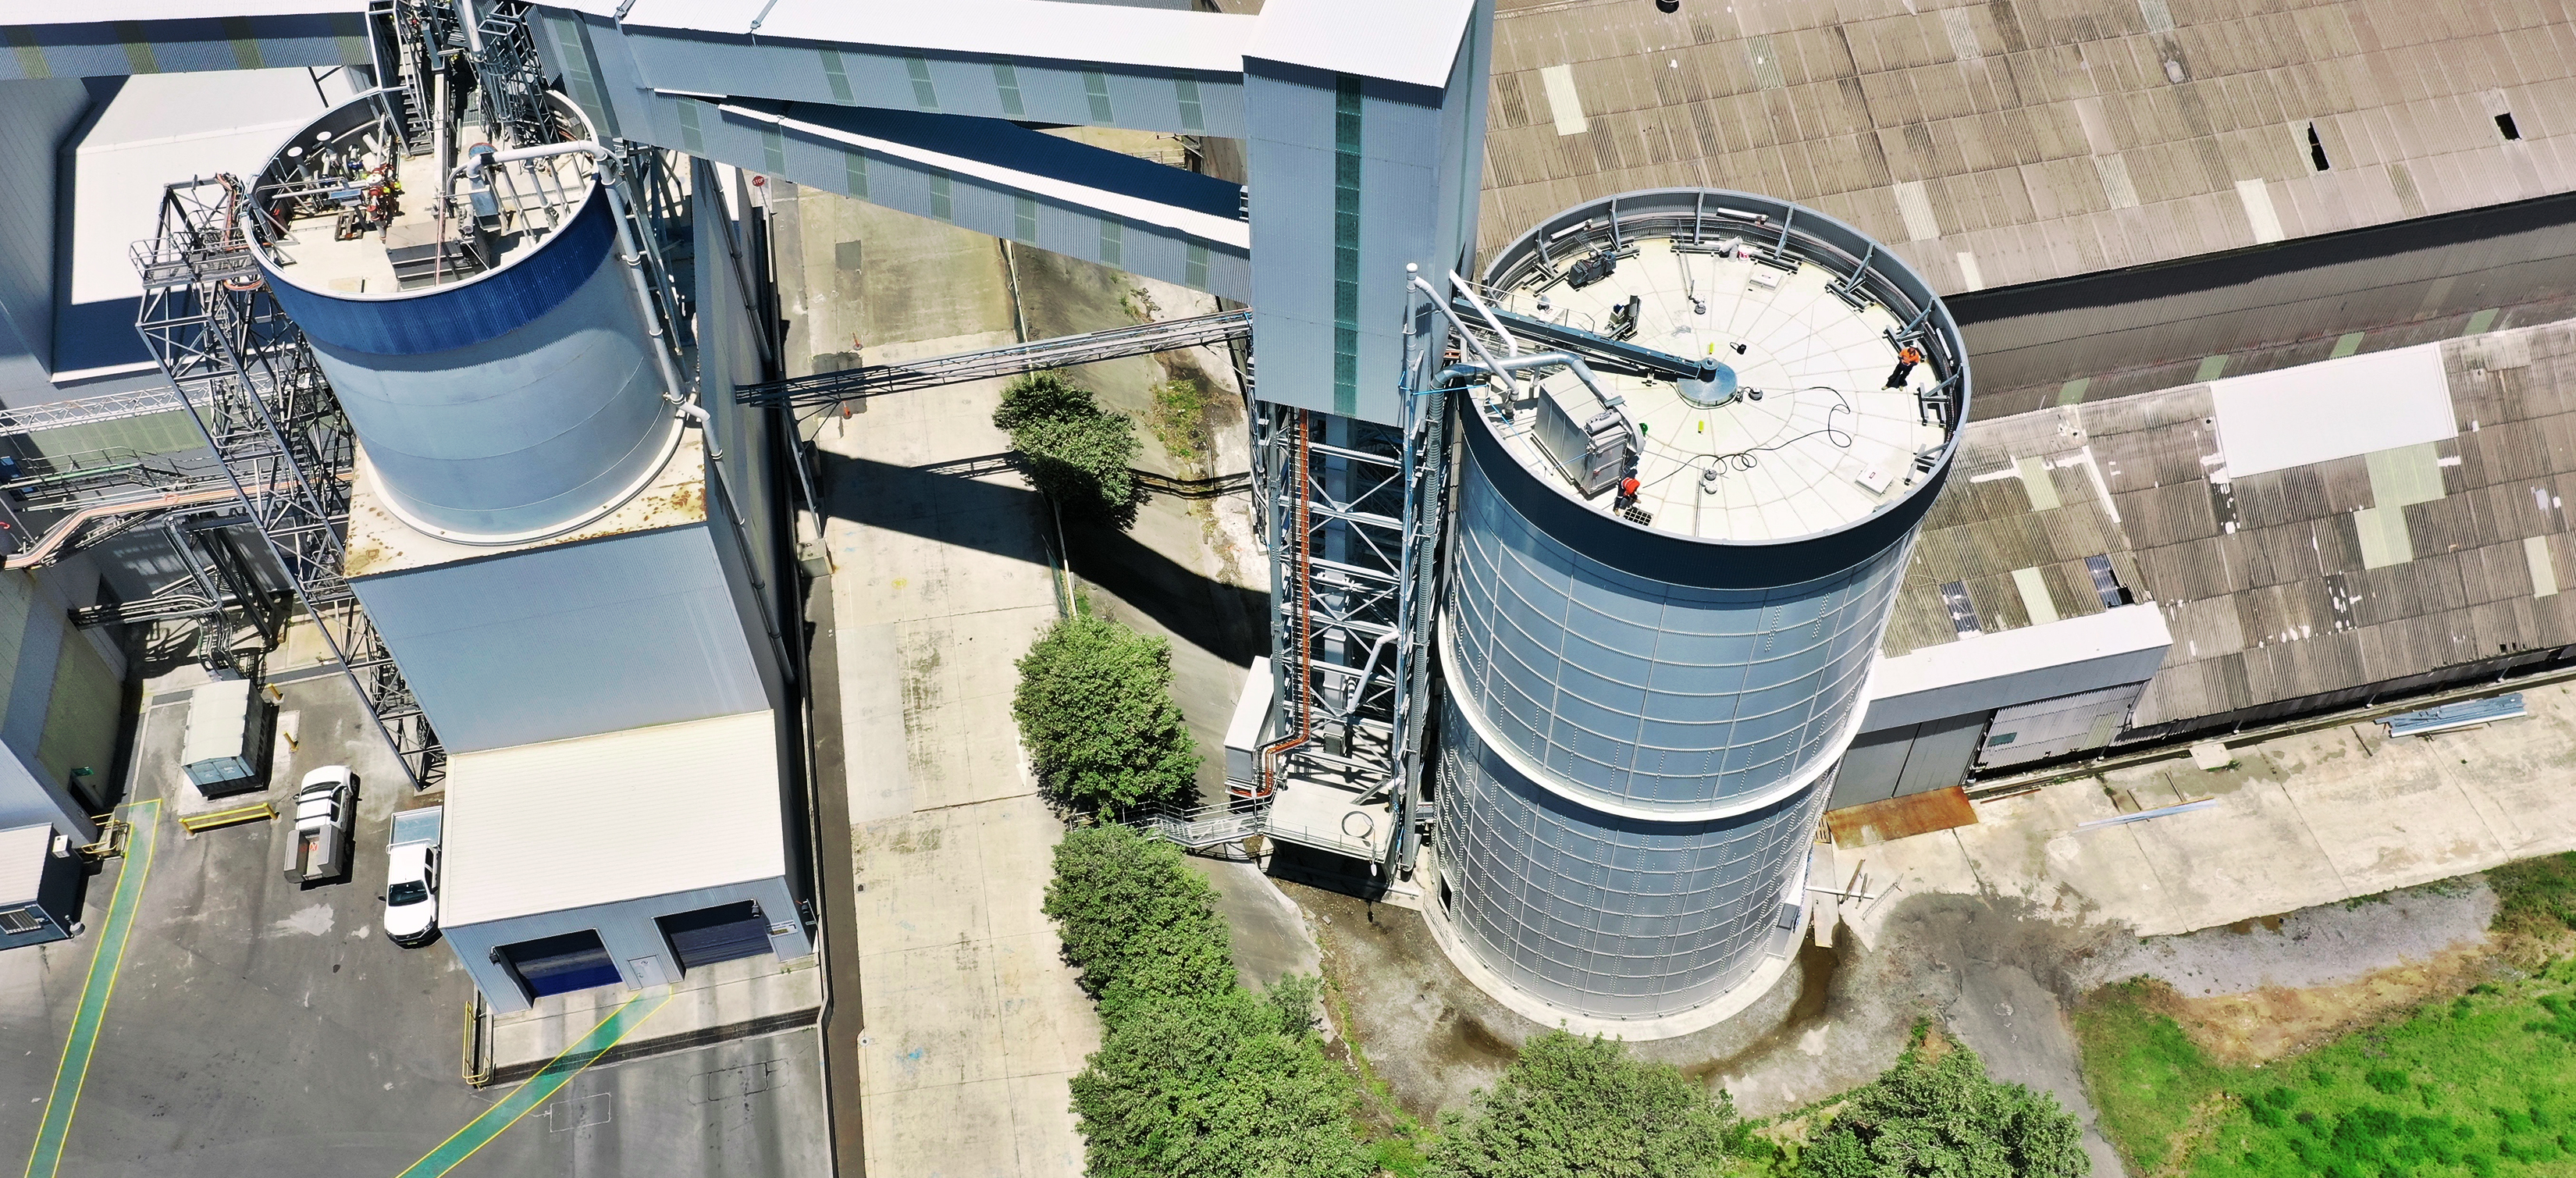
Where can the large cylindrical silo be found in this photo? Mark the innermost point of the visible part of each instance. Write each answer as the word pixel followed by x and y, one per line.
pixel 1647 694
pixel 501 380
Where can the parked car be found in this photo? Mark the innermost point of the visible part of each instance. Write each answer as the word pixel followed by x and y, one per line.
pixel 411 877
pixel 317 848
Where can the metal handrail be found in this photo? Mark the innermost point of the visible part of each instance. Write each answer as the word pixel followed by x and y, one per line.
pixel 195 823
pixel 833 388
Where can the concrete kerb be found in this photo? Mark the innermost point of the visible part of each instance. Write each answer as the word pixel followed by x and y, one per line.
pixel 731 1000
pixel 1538 1010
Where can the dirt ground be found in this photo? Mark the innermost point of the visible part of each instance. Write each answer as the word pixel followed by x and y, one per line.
pixel 1998 973
pixel 2262 989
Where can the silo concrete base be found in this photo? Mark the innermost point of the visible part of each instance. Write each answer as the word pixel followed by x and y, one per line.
pixel 1726 1005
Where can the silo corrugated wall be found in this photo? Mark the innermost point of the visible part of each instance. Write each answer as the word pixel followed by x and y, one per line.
pixel 1639 727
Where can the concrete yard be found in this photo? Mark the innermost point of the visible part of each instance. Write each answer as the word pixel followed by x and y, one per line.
pixel 970 1023
pixel 257 1027
pixel 2299 821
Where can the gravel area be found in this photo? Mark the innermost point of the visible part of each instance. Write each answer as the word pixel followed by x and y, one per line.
pixel 2323 946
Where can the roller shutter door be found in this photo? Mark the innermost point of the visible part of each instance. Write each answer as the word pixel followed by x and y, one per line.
pixel 561 964
pixel 721 933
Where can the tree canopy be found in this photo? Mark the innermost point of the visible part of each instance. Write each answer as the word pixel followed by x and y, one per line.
pixel 1195 1075
pixel 1575 1107
pixel 1095 711
pixel 1131 912
pixel 1078 453
pixel 1938 1113
pixel 1216 1085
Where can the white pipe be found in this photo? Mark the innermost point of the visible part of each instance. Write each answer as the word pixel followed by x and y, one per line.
pixel 1442 305
pixel 1468 289
pixel 439 144
pixel 1581 371
pixel 598 153
pixel 473 34
pixel 633 255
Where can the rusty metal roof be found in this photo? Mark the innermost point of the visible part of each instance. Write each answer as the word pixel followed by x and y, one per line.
pixel 2012 141
pixel 2270 586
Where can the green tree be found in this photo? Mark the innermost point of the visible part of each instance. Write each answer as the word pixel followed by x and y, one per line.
pixel 1575 1107
pixel 1946 1117
pixel 1096 713
pixel 1136 919
pixel 1216 1086
pixel 1079 455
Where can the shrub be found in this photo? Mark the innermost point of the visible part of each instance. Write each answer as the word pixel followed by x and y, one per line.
pixel 1573 1106
pixel 1215 1085
pixel 1095 711
pixel 1078 453
pixel 1130 911
pixel 1926 1117
pixel 1195 1075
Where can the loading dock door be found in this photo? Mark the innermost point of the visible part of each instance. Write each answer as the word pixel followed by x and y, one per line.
pixel 721 933
pixel 560 964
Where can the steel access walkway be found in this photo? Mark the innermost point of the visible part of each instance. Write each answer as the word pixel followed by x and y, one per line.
pixel 874 380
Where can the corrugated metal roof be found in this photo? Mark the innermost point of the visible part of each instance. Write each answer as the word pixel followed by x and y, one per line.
pixel 2264 579
pixel 644 812
pixel 2048 138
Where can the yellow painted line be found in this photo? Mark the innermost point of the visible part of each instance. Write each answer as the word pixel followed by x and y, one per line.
pixel 538 1088
pixel 87 1020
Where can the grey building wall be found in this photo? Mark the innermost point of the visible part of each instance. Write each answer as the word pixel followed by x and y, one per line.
pixel 61 701
pixel 1908 759
pixel 625 929
pixel 570 639
pixel 2055 727
pixel 35 114
pixel 746 506
pixel 1353 178
pixel 56 895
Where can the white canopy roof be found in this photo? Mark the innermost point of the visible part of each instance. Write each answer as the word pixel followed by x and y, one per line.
pixel 620 816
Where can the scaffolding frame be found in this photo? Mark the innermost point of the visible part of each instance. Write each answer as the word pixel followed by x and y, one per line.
pixel 252 386
pixel 1353 511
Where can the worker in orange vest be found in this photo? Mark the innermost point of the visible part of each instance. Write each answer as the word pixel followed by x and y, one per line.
pixel 1627 491
pixel 1905 362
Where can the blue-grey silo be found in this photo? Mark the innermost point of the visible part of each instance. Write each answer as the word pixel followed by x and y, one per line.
pixel 499 371
pixel 1647 694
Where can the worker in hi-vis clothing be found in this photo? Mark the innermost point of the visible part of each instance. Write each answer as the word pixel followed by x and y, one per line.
pixel 1905 362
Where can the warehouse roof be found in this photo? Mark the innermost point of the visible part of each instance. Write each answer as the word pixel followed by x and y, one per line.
pixel 2001 143
pixel 2378 558
pixel 597 819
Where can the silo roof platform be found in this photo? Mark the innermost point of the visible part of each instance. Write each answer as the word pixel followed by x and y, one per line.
pixel 444 249
pixel 1800 436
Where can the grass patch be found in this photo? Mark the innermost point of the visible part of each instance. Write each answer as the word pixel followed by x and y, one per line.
pixel 2536 898
pixel 1180 422
pixel 2145 1075
pixel 2481 1085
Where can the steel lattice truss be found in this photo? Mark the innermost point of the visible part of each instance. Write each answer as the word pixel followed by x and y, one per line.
pixel 1353 509
pixel 250 382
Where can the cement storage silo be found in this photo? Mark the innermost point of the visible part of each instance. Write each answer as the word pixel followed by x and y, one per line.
pixel 1647 695
pixel 495 354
